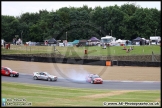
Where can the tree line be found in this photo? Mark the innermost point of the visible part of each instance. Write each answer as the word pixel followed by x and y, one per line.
pixel 123 22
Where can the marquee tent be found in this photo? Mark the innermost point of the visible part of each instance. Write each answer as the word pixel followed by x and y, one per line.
pixel 52 41
pixel 94 39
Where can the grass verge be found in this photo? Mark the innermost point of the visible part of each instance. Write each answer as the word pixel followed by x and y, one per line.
pixel 79 51
pixel 41 95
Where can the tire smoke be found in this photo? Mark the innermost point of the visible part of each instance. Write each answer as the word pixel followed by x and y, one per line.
pixel 77 75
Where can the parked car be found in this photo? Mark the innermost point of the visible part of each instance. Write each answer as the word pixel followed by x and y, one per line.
pixel 44 76
pixel 6 71
pixel 94 78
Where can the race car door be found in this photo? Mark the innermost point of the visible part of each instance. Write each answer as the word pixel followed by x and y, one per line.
pixel 41 75
pixel 44 76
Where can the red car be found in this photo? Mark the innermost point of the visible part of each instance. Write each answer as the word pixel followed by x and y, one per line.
pixel 6 71
pixel 94 78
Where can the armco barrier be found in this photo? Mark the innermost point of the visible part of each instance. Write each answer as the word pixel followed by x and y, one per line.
pixel 55 60
pixel 108 63
pixel 115 63
pixel 93 62
pixel 138 63
pixel 81 61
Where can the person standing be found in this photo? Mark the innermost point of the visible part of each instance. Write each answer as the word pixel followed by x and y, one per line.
pixel 64 43
pixel 140 42
pixel 127 43
pixel 9 45
pixel 19 41
pixel 147 42
pixel 150 42
pixel 13 41
pixel 4 44
pixel 46 43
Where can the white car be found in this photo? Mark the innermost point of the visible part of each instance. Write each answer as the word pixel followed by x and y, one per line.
pixel 44 76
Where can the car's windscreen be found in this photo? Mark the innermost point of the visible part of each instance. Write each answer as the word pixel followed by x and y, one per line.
pixel 47 74
pixel 96 76
pixel 9 69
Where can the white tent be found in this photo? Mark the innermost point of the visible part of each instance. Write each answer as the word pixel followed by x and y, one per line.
pixel 119 41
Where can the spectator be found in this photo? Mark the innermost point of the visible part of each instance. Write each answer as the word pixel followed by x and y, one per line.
pixel 131 48
pixel 46 42
pixel 20 41
pixel 15 41
pixel 124 48
pixel 104 46
pixel 126 42
pixel 9 45
pixel 140 42
pixel 128 50
pixel 145 42
pixel 150 42
pixel 4 44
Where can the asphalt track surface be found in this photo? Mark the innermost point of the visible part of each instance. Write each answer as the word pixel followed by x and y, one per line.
pixel 112 85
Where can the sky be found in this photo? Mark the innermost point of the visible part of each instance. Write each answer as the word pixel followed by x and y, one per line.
pixel 16 8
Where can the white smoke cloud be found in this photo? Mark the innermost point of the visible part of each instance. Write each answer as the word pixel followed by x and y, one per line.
pixel 78 75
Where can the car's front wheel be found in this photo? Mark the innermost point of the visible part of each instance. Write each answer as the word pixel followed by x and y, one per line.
pixel 56 79
pixel 49 79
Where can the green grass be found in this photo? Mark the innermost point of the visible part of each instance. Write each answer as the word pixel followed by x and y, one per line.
pixel 79 51
pixel 41 95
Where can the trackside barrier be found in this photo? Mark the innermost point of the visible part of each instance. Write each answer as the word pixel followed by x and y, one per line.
pixel 108 63
pixel 139 63
pixel 115 63
pixel 80 61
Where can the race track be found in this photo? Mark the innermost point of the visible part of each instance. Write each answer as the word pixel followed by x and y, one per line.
pixel 113 85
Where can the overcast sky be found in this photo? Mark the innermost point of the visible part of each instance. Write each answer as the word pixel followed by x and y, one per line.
pixel 16 8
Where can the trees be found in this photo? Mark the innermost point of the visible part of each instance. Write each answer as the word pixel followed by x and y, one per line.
pixel 125 22
pixel 9 27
